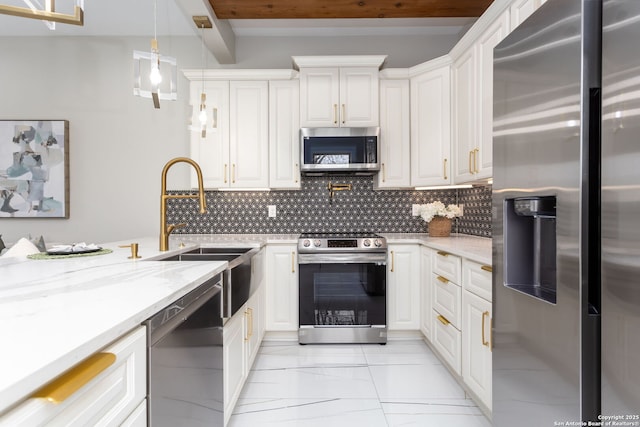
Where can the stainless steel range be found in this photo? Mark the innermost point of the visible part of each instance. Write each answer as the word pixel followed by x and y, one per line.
pixel 343 288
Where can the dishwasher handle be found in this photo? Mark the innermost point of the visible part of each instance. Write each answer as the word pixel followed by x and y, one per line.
pixel 169 318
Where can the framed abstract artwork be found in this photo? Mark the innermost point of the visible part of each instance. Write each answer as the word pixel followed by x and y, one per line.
pixel 34 169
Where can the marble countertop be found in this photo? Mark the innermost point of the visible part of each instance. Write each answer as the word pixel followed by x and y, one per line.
pixel 56 312
pixel 474 248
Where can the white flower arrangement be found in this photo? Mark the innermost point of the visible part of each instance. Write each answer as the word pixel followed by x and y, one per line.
pixel 437 208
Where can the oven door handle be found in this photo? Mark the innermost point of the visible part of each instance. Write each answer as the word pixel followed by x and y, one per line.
pixel 342 258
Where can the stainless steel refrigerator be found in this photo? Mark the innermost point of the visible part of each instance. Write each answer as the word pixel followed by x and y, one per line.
pixel 566 216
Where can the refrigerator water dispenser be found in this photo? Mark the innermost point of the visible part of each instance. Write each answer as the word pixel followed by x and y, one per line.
pixel 530 246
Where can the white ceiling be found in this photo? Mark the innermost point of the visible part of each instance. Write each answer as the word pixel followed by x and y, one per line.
pixel 135 18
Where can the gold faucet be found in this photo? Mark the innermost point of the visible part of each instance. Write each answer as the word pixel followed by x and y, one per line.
pixel 165 230
pixel 337 187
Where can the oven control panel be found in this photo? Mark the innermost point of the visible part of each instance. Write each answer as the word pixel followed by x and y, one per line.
pixel 341 244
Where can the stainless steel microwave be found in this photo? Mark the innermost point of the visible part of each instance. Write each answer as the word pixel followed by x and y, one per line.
pixel 339 151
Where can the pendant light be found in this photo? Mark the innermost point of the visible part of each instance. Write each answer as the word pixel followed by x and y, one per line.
pixel 153 87
pixel 202 22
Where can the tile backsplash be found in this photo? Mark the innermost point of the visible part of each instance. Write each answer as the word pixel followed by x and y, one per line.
pixel 311 209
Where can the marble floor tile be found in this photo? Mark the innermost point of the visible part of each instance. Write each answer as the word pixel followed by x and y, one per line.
pixel 399 384
pixel 332 412
pixel 415 381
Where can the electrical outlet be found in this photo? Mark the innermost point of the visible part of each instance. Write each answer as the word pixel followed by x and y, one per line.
pixel 461 206
pixel 415 210
pixel 272 211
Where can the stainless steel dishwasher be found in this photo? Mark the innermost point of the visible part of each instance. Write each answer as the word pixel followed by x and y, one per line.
pixel 185 360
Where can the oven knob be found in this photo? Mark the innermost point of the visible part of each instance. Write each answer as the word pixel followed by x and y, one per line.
pixel 377 242
pixel 366 243
pixel 317 243
pixel 306 243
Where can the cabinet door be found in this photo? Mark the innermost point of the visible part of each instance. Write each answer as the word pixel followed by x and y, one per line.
pixel 395 140
pixel 249 134
pixel 430 128
pixel 282 288
pixel 464 116
pixel 284 134
pixel 522 9
pixel 483 159
pixel 476 345
pixel 211 152
pixel 403 287
pixel 358 97
pixel 425 292
pixel 252 327
pixel 234 361
pixel 319 97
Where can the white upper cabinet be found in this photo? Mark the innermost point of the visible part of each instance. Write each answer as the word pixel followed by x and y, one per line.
pixel 208 150
pixel 284 134
pixel 472 80
pixel 248 134
pixel 339 91
pixel 431 126
pixel 233 150
pixel 522 9
pixel 395 140
pixel 339 97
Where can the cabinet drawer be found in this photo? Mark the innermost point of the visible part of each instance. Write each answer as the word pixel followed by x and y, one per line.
pixel 446 299
pixel 106 400
pixel 447 340
pixel 476 278
pixel 447 265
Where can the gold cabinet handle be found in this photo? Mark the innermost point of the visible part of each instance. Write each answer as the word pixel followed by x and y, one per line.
pixel 215 118
pixel 384 175
pixel 442 279
pixel 335 114
pixel 293 262
pixel 246 319
pixel 443 320
pixel 484 316
pixel 443 253
pixel 470 161
pixel 393 258
pixel 225 173
pixel 344 113
pixel 65 385
pixel 487 268
pixel 233 173
pixel 475 160
pixel 444 167
pixel 296 172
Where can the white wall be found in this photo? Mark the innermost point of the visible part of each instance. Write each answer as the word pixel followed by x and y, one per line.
pixel 119 142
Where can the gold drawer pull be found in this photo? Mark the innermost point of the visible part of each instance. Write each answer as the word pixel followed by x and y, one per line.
pixel 487 268
pixel 442 279
pixel 293 262
pixel 443 253
pixel 393 258
pixel 484 316
pixel 443 320
pixel 445 169
pixel 75 378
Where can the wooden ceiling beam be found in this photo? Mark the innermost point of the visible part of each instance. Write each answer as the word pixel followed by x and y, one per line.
pixel 333 9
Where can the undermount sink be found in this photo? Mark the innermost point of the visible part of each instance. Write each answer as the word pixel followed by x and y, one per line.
pixel 211 254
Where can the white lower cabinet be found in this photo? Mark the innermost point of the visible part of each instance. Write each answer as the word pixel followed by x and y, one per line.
pixel 476 329
pixel 425 291
pixel 447 341
pixel 109 398
pixel 234 361
pixel 242 337
pixel 403 287
pixel 476 346
pixel 138 417
pixel 282 288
